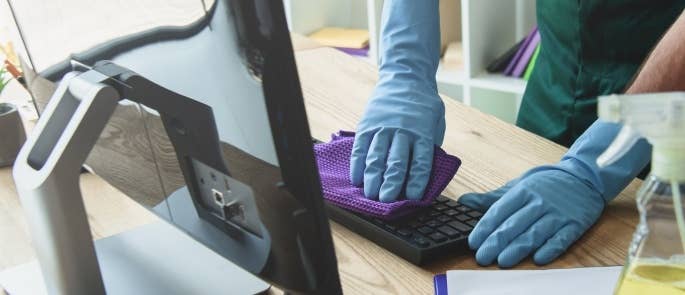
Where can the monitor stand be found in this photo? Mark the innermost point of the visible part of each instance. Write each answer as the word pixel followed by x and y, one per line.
pixel 152 259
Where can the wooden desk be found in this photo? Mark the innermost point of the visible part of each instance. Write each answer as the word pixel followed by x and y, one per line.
pixel 336 87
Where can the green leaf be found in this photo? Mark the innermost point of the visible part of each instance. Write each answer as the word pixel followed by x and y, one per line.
pixel 3 81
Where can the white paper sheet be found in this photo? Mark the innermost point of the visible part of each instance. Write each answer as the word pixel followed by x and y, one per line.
pixel 574 281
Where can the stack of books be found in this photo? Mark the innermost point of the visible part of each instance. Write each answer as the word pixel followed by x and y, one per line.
pixel 519 61
pixel 351 41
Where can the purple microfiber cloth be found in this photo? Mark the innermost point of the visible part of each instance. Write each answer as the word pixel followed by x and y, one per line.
pixel 333 160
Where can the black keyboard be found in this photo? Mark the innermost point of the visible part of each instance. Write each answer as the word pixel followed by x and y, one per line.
pixel 442 229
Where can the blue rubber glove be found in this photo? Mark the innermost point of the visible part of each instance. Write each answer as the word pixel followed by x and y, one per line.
pixel 550 207
pixel 405 117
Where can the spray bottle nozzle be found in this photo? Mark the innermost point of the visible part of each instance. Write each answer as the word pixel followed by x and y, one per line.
pixel 658 117
pixel 624 140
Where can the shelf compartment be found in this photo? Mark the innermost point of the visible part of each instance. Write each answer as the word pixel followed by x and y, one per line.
pixel 499 82
pixel 450 76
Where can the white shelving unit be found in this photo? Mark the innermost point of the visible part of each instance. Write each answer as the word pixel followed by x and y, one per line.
pixel 486 28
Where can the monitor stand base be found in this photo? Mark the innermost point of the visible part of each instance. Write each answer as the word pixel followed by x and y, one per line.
pixel 152 259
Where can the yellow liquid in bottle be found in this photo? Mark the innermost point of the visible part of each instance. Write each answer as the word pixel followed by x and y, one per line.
pixel 661 278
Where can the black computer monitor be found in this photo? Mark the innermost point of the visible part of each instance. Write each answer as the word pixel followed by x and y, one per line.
pixel 234 164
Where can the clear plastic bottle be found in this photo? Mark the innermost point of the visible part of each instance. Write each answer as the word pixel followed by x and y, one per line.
pixel 656 257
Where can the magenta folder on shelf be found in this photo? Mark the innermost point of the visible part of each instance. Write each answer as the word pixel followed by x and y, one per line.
pixel 527 55
pixel 514 61
pixel 355 51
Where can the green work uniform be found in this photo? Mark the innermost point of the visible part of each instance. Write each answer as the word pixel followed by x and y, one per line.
pixel 588 48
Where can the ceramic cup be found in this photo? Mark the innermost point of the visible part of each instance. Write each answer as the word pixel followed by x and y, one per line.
pixel 12 134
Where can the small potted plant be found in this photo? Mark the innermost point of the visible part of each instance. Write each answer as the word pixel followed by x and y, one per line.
pixel 12 134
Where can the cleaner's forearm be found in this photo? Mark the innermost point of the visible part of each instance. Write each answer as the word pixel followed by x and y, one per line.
pixel 664 69
pixel 410 41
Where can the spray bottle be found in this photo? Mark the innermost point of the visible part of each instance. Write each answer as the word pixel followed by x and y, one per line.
pixel 656 257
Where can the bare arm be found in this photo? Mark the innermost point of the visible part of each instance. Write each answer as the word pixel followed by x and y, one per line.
pixel 664 69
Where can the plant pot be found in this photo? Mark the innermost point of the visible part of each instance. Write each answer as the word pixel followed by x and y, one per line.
pixel 12 134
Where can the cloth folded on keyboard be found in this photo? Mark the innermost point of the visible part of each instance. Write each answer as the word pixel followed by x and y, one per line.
pixel 333 161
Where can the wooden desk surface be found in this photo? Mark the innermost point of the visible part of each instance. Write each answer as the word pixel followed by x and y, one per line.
pixel 336 87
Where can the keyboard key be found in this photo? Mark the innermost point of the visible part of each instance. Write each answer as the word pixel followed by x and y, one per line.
pixel 472 222
pixel 463 217
pixel 441 199
pixel 434 213
pixel 452 203
pixel 438 237
pixel 414 224
pixel 462 208
pixel 440 207
pixel 425 230
pixel 420 241
pixel 460 226
pixel 448 231
pixel 444 218
pixel 424 218
pixel 389 227
pixel 451 212
pixel 475 214
pixel 433 223
pixel 404 232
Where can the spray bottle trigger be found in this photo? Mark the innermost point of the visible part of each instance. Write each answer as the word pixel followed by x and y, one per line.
pixel 624 140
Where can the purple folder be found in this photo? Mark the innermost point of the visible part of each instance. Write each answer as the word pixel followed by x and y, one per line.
pixel 440 284
pixel 514 61
pixel 355 51
pixel 526 56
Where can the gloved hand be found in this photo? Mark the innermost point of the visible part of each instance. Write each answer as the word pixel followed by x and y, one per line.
pixel 550 207
pixel 404 118
pixel 545 211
